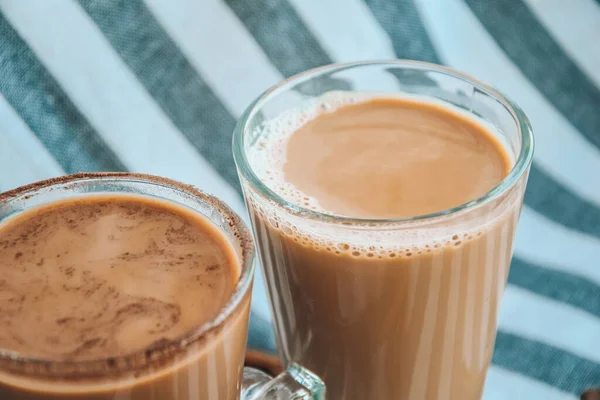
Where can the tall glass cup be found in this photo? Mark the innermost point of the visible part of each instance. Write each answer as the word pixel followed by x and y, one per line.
pixel 395 308
pixel 207 363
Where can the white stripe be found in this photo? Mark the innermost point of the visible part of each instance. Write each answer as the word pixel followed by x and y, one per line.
pixel 422 368
pixel 504 253
pixel 346 29
pixel 544 242
pixel 193 378
pixel 212 381
pixel 23 159
pixel 558 324
pixel 491 249
pixel 219 47
pixel 116 104
pixel 450 348
pixel 502 384
pixel 360 37
pixel 574 29
pixel 463 43
pixel 469 332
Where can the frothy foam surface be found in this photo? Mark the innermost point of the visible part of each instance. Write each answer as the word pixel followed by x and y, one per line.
pixel 405 241
pixel 268 159
pixel 269 156
pixel 102 276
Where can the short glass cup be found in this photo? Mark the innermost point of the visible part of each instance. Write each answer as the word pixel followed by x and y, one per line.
pixel 207 363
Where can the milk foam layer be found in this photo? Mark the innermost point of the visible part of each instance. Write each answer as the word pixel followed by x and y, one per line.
pixel 269 157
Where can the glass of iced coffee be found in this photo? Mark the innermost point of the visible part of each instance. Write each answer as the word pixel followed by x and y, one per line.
pixel 129 287
pixel 384 198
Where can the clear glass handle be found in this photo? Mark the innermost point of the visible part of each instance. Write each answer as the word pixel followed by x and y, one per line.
pixel 296 383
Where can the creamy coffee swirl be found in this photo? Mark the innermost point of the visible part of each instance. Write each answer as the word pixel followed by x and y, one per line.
pixel 106 275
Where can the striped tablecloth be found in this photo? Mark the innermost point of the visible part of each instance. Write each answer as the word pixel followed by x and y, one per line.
pixel 155 86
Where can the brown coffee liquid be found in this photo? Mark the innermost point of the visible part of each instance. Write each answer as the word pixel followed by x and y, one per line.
pixel 393 158
pixel 104 276
pixel 405 311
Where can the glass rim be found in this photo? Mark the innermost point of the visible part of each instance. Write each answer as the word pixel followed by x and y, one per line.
pixel 522 163
pixel 152 354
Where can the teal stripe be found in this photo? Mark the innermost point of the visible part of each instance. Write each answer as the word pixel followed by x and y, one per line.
pixel 561 205
pixel 261 335
pixel 169 78
pixel 280 32
pixel 545 363
pixel 543 62
pixel 402 22
pixel 40 101
pixel 557 285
